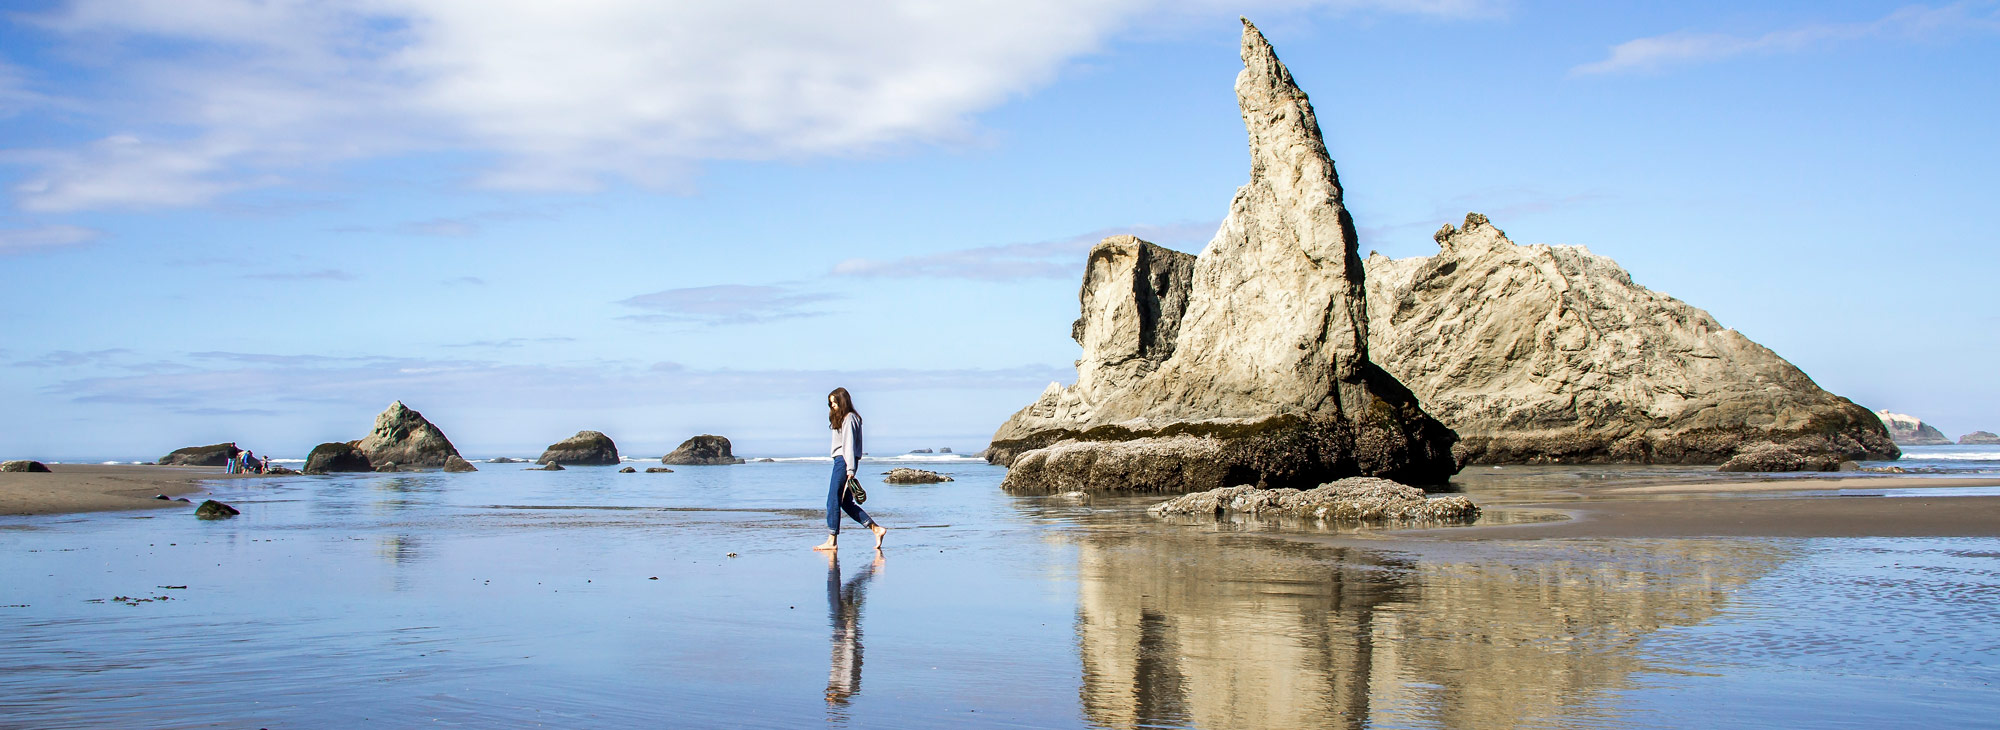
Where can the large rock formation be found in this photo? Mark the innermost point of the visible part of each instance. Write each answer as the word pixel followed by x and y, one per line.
pixel 402 436
pixel 1546 354
pixel 1245 365
pixel 588 448
pixel 336 456
pixel 1909 430
pixel 703 450
pixel 1982 438
pixel 211 455
pixel 24 465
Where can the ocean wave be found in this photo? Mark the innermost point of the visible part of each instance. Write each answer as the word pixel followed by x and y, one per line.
pixel 1960 456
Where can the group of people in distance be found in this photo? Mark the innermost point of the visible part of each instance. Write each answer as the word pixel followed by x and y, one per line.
pixel 244 462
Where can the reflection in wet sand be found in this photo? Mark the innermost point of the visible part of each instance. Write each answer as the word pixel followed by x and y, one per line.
pixel 843 607
pixel 1201 629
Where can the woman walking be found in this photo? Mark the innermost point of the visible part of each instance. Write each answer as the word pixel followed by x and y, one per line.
pixel 846 426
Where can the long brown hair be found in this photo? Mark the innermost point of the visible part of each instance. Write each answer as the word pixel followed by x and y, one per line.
pixel 843 404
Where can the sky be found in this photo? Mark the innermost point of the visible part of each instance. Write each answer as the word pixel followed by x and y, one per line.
pixel 262 221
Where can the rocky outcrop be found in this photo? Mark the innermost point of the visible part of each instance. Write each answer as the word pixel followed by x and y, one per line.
pixel 1909 430
pixel 658 470
pixel 336 456
pixel 213 510
pixel 403 436
pixel 586 448
pixel 505 460
pixel 24 465
pixel 1353 500
pixel 1778 457
pixel 458 464
pixel 1981 438
pixel 902 475
pixel 703 450
pixel 1248 364
pixel 628 470
pixel 211 455
pixel 545 467
pixel 1552 354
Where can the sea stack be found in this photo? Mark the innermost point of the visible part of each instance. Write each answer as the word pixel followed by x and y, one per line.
pixel 1247 364
pixel 1552 354
pixel 1909 430
pixel 401 436
pixel 211 455
pixel 586 448
pixel 1980 438
pixel 703 450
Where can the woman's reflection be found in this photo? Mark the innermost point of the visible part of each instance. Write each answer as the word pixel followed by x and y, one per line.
pixel 843 606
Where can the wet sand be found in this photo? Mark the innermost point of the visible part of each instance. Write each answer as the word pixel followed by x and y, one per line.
pixel 1754 509
pixel 70 488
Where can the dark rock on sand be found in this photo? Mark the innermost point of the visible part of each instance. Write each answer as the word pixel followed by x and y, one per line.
pixel 902 475
pixel 1980 438
pixel 1355 500
pixel 213 510
pixel 658 470
pixel 1552 354
pixel 24 465
pixel 1779 457
pixel 586 448
pixel 628 470
pixel 210 455
pixel 703 450
pixel 545 467
pixel 279 471
pixel 336 456
pixel 1248 364
pixel 403 436
pixel 1911 431
pixel 458 464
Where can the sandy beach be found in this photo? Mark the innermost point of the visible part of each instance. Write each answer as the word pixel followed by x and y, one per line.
pixel 101 488
pixel 1754 509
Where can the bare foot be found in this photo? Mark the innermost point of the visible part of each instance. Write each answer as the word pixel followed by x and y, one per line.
pixel 830 544
pixel 879 532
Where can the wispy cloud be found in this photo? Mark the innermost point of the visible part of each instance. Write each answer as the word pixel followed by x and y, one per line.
pixel 15 241
pixel 227 95
pixel 250 383
pixel 71 358
pixel 727 304
pixel 227 412
pixel 1059 259
pixel 317 275
pixel 1684 48
pixel 466 281
pixel 514 342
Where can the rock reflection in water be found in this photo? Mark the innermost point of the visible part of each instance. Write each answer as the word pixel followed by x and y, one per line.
pixel 1201 629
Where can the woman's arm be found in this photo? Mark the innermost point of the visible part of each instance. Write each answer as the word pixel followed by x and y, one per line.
pixel 851 436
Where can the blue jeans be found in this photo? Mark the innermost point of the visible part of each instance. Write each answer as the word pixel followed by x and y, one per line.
pixel 837 499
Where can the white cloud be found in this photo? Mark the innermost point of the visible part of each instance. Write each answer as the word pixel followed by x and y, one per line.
pixel 44 238
pixel 726 304
pixel 1657 52
pixel 219 95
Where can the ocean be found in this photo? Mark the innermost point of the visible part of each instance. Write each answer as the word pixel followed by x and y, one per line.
pixel 586 597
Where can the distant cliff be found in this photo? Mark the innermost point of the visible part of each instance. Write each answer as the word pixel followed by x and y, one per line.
pixel 1544 354
pixel 1911 431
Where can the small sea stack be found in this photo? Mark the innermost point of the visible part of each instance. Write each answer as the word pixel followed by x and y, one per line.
pixel 586 448
pixel 1909 430
pixel 1979 438
pixel 210 455
pixel 703 450
pixel 905 475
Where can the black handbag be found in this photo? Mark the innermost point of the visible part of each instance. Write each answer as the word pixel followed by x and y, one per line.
pixel 855 492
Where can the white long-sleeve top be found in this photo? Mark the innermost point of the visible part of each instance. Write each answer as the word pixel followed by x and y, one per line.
pixel 847 441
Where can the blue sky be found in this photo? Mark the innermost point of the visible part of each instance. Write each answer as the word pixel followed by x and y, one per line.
pixel 263 221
